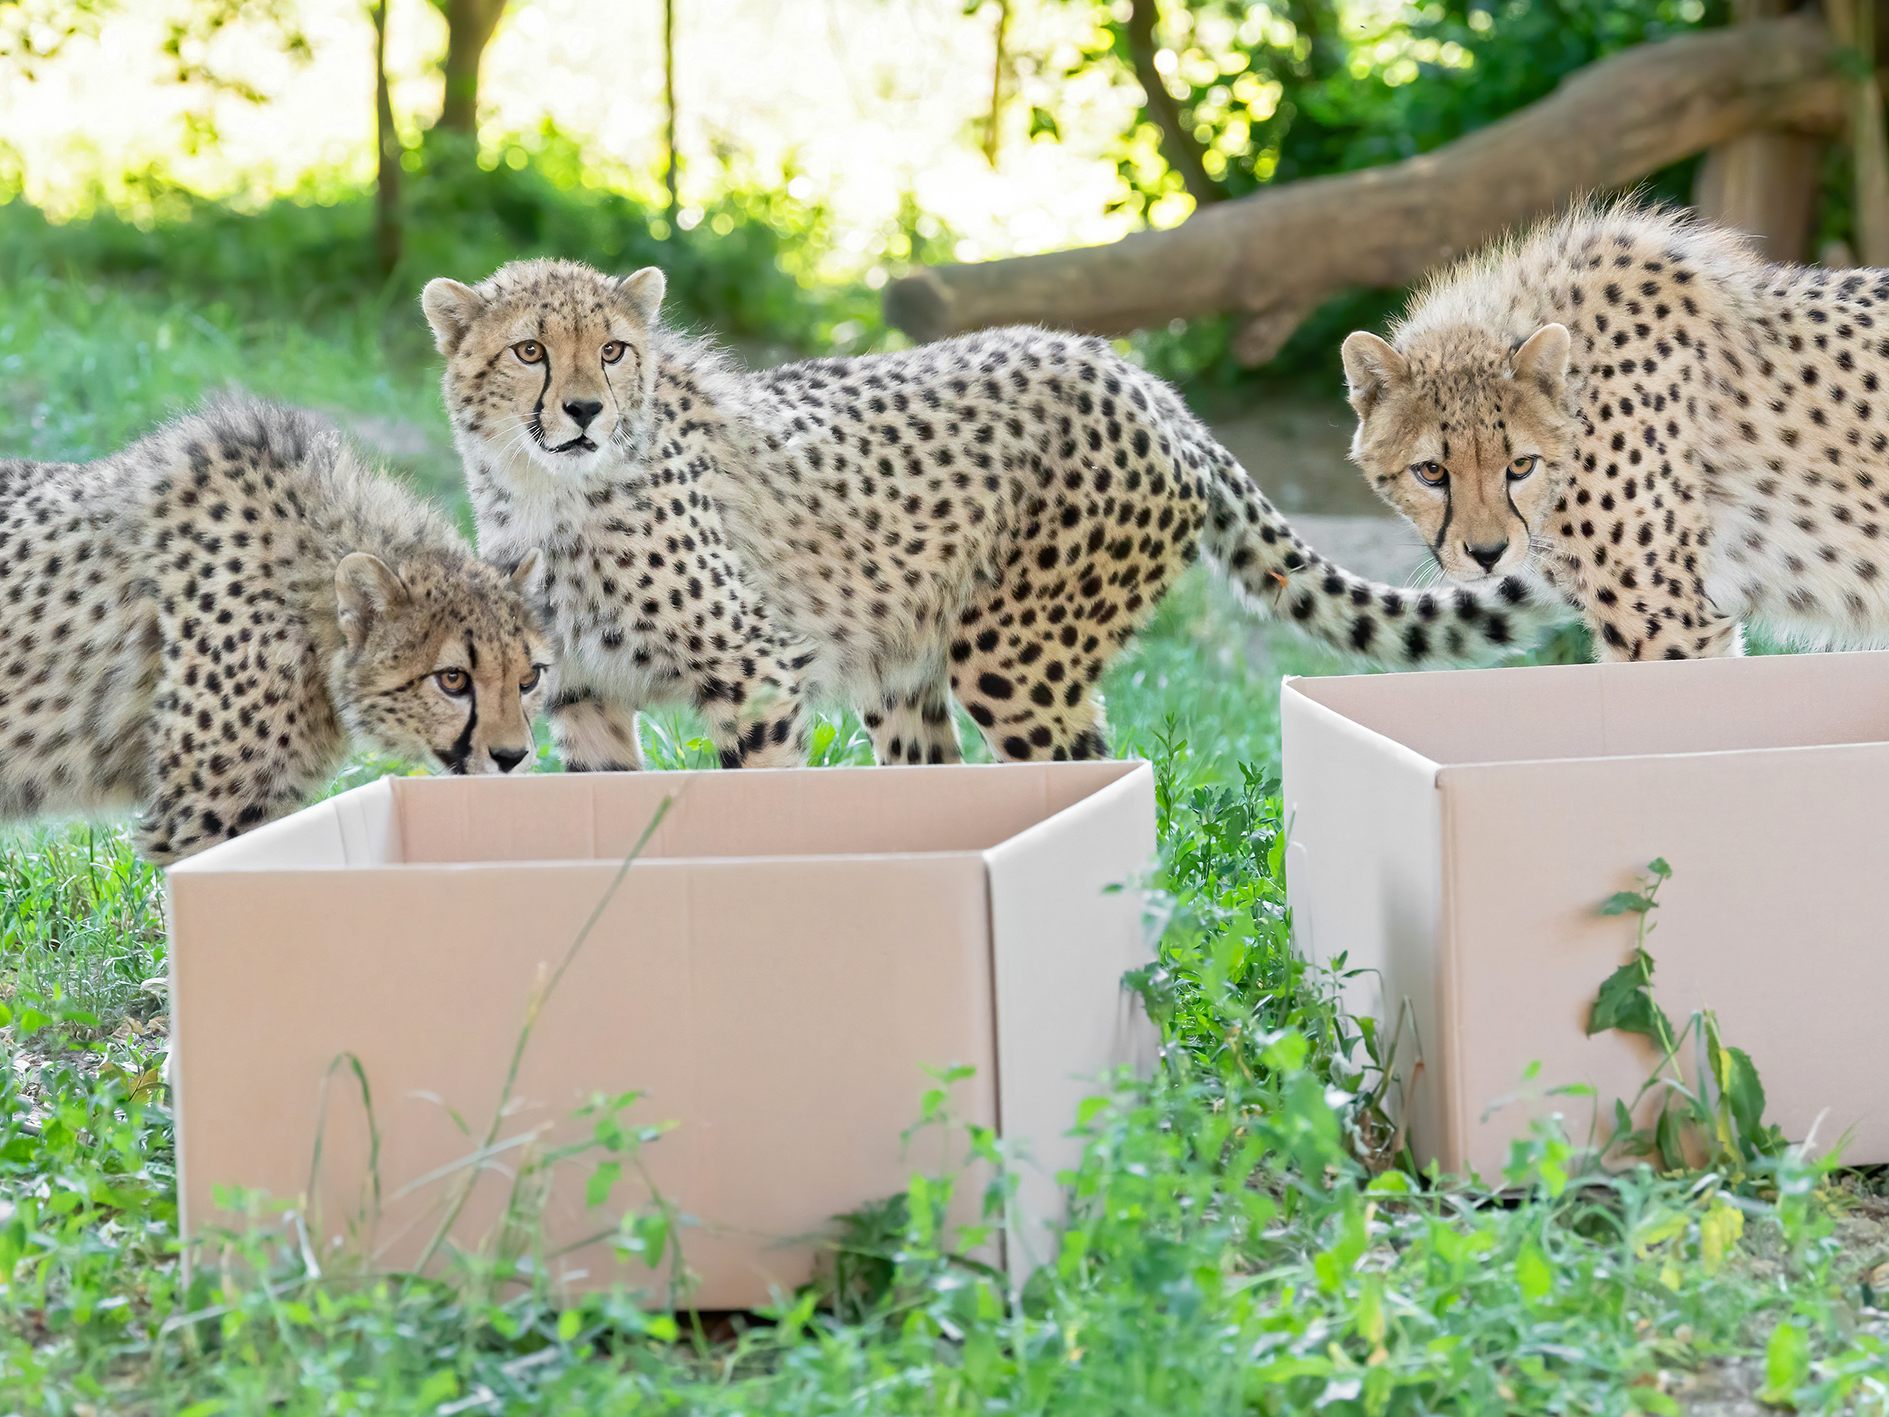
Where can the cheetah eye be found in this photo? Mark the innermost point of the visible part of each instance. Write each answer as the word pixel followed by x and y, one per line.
pixel 1522 466
pixel 530 681
pixel 1430 474
pixel 454 683
pixel 613 351
pixel 529 351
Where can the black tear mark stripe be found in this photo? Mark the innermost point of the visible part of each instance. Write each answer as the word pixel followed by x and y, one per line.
pixel 537 411
pixel 456 756
pixel 1449 511
pixel 462 747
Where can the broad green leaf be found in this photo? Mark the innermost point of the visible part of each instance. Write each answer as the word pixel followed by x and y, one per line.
pixel 1532 1272
pixel 1669 1137
pixel 1786 1365
pixel 1719 1231
pixel 1745 1092
pixel 602 1181
pixel 1624 1004
pixel 1286 1053
pixel 1649 1234
pixel 1370 1313
pixel 1626 903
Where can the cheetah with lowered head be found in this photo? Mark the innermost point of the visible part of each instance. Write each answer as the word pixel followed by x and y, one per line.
pixel 987 518
pixel 198 624
pixel 1678 435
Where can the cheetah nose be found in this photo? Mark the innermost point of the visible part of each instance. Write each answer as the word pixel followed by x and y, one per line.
pixel 508 758
pixel 1486 556
pixel 582 411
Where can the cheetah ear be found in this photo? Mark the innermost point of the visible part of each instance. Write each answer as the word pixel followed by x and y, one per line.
pixel 366 589
pixel 1543 357
pixel 450 308
pixel 643 292
pixel 1371 368
pixel 528 575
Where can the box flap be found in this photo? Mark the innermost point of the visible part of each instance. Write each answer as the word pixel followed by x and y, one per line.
pixel 359 827
pixel 756 813
pixel 1535 713
pixel 1065 926
pixel 1364 878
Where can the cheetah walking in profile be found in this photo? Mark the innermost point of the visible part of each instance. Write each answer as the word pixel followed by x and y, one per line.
pixel 1676 434
pixel 986 519
pixel 198 624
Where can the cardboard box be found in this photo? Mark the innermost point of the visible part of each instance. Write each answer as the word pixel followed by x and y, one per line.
pixel 1456 833
pixel 790 954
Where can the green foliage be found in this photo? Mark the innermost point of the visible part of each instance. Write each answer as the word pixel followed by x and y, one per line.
pixel 1714 1120
pixel 748 267
pixel 1228 1249
pixel 1289 89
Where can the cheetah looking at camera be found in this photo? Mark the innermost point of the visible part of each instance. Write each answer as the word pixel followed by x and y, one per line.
pixel 198 624
pixel 1676 434
pixel 988 518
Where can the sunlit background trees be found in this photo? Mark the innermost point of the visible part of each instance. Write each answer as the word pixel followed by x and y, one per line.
pixel 782 159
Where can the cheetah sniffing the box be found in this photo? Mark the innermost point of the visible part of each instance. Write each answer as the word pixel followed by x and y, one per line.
pixel 1678 435
pixel 987 518
pixel 198 624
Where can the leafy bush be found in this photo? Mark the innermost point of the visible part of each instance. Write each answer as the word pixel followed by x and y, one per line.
pixel 748 269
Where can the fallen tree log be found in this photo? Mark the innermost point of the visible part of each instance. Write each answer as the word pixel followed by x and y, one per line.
pixel 1275 255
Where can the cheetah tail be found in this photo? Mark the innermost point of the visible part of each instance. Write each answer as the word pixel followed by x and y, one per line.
pixel 1279 575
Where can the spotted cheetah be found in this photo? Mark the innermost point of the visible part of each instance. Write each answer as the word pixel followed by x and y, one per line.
pixel 1676 434
pixel 199 623
pixel 986 519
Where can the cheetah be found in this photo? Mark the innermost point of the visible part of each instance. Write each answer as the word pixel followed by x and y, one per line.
pixel 1675 434
pixel 986 519
pixel 197 625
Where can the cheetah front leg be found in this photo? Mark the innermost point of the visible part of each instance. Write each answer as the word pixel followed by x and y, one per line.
pixel 768 731
pixel 594 733
pixel 914 728
pixel 211 782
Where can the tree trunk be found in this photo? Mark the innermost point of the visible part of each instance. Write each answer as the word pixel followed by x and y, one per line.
pixel 670 174
pixel 1275 255
pixel 992 128
pixel 1178 144
pixel 469 27
pixel 1854 23
pixel 387 146
pixel 1764 182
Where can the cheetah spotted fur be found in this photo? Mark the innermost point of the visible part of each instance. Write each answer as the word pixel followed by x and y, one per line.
pixel 1676 434
pixel 986 519
pixel 197 624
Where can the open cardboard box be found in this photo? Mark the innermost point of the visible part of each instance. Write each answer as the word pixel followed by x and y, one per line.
pixel 790 954
pixel 1455 833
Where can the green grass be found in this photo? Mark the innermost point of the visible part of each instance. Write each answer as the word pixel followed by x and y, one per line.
pixel 1239 1241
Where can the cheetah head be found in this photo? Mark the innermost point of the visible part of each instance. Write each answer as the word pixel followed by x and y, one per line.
pixel 441 660
pixel 549 360
pixel 1466 435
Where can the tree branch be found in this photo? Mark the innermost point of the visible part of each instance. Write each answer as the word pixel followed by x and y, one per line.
pixel 1273 256
pixel 1178 145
